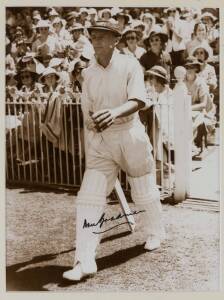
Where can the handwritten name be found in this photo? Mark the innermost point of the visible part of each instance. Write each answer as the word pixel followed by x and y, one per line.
pixel 103 220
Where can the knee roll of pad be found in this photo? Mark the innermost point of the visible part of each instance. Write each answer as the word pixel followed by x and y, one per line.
pixel 144 189
pixel 93 188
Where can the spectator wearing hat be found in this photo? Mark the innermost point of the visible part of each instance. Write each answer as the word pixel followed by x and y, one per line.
pixel 122 19
pixel 178 35
pixel 162 109
pixel 112 93
pixel 9 60
pixel 200 99
pixel 131 38
pixel 93 17
pixel 45 43
pixel 200 38
pixel 58 64
pixel 105 14
pixel 207 71
pixel 209 20
pixel 18 36
pixel 50 79
pixel 21 49
pixel 80 40
pixel 71 18
pixel 150 24
pixel 156 54
pixel 75 69
pixel 11 85
pixel 28 83
pixel 52 14
pixel 30 62
pixel 83 17
pixel 60 33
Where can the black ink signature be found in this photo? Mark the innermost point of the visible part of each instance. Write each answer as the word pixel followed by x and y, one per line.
pixel 103 220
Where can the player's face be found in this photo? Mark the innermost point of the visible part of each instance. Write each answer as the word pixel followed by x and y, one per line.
pixel 103 41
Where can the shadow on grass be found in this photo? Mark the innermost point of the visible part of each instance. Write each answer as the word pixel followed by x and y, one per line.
pixel 34 279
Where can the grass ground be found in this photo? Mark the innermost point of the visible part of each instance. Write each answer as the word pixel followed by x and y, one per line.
pixel 40 247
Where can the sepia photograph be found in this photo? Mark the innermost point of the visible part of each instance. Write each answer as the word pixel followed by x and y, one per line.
pixel 112 147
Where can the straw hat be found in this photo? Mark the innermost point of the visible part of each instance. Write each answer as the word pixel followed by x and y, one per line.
pixel 26 69
pixel 158 31
pixel 103 11
pixel 76 26
pixel 84 10
pixel 47 72
pixel 71 15
pixel 158 71
pixel 55 62
pixel 192 62
pixel 43 23
pixel 201 47
pixel 208 15
pixel 53 13
pixel 138 23
pixel 125 16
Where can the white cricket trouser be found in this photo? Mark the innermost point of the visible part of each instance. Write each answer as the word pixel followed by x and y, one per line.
pixel 125 146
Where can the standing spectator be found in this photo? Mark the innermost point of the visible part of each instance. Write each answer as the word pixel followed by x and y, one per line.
pixel 177 31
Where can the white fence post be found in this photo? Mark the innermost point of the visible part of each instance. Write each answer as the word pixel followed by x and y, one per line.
pixel 182 137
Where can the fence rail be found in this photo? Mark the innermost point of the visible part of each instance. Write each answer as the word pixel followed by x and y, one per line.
pixel 45 143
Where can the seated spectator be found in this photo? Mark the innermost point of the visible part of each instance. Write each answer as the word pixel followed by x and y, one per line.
pixel 11 86
pixel 200 38
pixel 75 70
pixel 203 114
pixel 122 19
pixel 81 41
pixel 46 43
pixel 131 38
pixel 155 55
pixel 9 60
pixel 50 80
pixel 207 71
pixel 29 88
pixel 58 65
pixel 83 17
pixel 60 32
pixel 150 24
pixel 93 16
pixel 105 14
pixel 209 20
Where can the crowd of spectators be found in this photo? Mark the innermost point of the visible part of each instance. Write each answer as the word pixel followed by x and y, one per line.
pixel 47 48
